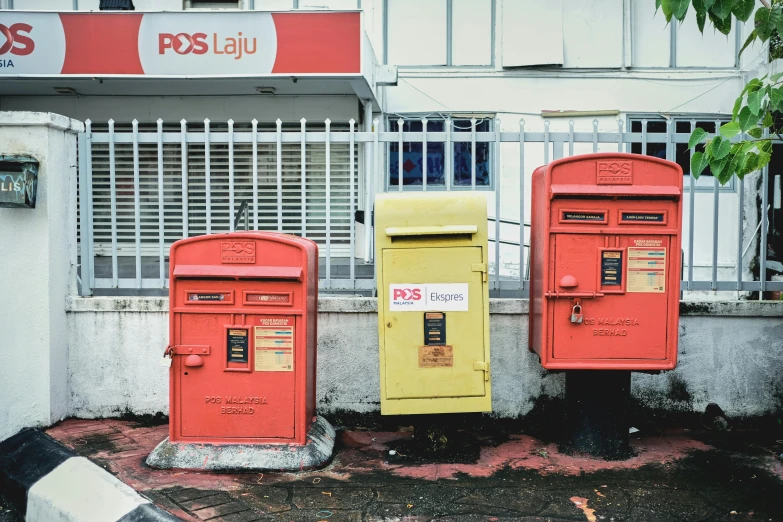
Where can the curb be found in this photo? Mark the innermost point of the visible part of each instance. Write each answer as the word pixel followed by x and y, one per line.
pixel 48 482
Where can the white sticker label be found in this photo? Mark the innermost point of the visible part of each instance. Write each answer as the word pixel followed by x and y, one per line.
pixel 428 297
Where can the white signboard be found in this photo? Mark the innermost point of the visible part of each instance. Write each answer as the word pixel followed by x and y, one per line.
pixel 428 297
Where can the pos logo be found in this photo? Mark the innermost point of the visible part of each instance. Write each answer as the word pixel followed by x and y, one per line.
pixel 183 43
pixel 17 39
pixel 406 294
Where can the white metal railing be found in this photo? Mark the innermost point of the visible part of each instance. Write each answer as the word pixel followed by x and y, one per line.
pixel 152 186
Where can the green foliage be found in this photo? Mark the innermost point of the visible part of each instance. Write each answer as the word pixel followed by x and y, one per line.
pixel 744 144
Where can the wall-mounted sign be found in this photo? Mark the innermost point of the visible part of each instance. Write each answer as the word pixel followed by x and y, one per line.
pixel 180 44
pixel 18 181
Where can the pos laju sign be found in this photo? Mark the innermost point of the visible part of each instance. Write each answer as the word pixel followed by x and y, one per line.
pixel 180 44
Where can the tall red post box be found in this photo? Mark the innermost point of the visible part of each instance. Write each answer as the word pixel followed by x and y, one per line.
pixel 605 263
pixel 242 342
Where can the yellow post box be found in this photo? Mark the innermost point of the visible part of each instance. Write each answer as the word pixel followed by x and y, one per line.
pixel 433 302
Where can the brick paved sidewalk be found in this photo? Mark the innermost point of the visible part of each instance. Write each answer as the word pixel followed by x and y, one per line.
pixel 674 477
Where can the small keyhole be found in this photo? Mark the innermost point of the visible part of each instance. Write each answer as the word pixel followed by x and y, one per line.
pixel 388 325
pixel 186 373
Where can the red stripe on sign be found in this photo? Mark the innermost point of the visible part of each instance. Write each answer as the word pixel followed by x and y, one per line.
pixel 101 43
pixel 318 43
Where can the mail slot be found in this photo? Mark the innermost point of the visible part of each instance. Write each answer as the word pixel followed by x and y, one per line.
pixel 243 336
pixel 433 303
pixel 605 262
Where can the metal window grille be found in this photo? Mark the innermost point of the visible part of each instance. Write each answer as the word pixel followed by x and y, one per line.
pixel 149 186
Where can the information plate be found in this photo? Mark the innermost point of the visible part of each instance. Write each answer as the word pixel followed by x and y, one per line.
pixel 274 345
pixel 643 217
pixel 569 215
pixel 646 270
pixel 237 345
pixel 611 268
pixel 434 328
pixel 436 356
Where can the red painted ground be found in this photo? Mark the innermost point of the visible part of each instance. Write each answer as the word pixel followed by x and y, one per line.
pixel 122 447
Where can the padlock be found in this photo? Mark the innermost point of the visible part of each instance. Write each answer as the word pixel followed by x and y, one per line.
pixel 576 314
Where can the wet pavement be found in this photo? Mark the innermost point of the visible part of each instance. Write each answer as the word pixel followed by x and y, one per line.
pixel 676 475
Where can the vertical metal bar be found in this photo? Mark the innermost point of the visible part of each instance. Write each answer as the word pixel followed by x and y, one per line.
pixel 208 177
pixel 90 214
pixel 449 155
pixel 161 222
pixel 231 216
pixel 424 154
pixel 303 160
pixel 570 137
pixel 473 154
pixel 279 123
pixel 715 210
pixel 691 218
pixel 84 217
pixel 595 135
pixel 673 45
pixel 184 132
pixel 449 35
pixel 351 220
pixel 368 168
pixel 764 225
pixel 497 203
pixel 376 165
pixel 400 125
pixel 670 155
pixel 522 200
pixel 328 145
pixel 136 200
pixel 619 135
pixel 254 122
pixel 740 220
pixel 113 200
pixel 546 142
pixel 644 137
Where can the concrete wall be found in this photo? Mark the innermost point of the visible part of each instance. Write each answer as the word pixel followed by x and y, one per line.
pixel 37 260
pixel 730 353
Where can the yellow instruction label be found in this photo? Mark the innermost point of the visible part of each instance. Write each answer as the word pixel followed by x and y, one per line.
pixel 646 270
pixel 274 348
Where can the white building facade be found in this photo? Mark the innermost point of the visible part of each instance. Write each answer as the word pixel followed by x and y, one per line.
pixel 541 67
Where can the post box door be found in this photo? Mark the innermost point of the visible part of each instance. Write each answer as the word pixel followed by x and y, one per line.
pixel 221 399
pixel 629 319
pixel 414 368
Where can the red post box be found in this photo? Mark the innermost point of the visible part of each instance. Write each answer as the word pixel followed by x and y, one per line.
pixel 605 263
pixel 243 345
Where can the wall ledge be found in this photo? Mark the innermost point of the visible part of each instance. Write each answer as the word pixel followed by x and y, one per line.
pixel 40 119
pixel 369 305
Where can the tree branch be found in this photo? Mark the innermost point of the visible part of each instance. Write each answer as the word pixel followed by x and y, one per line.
pixel 765 4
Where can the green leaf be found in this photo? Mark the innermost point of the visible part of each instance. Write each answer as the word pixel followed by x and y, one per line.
pixel 775 77
pixel 751 38
pixel 747 119
pixel 721 24
pixel 743 9
pixel 764 158
pixel 679 8
pixel 752 85
pixel 701 18
pixel 755 132
pixel 721 9
pixel 730 129
pixel 696 137
pixel 764 146
pixel 775 98
pixel 717 165
pixel 768 121
pixel 698 164
pixel 751 162
pixel 666 7
pixel 720 148
pixel 736 109
pixel 657 5
pixel 766 21
pixel 708 4
pixel 754 101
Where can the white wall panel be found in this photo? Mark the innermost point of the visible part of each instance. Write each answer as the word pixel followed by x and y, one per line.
pixel 650 35
pixel 471 32
pixel 593 33
pixel 328 4
pixel 711 49
pixel 43 5
pixel 274 5
pixel 417 32
pixel 156 5
pixel 532 32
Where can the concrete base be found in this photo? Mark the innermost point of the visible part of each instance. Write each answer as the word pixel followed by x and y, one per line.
pixel 248 457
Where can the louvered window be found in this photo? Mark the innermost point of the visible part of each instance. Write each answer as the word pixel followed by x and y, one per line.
pixel 294 208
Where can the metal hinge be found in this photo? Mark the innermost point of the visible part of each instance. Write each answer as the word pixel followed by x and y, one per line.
pixel 482 366
pixel 480 267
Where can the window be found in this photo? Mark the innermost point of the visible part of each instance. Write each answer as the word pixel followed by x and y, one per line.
pixel 682 127
pixel 439 32
pixel 412 151
pixel 213 4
